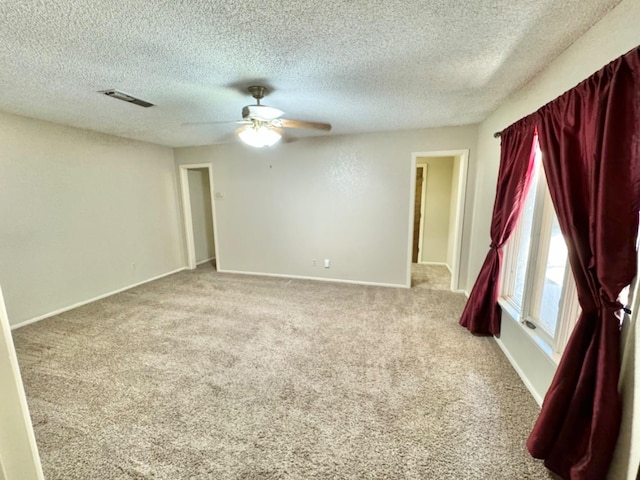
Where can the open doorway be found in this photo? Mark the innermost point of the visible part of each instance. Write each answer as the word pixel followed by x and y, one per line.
pixel 438 194
pixel 198 208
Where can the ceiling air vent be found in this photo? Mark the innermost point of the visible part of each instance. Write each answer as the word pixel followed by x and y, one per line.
pixel 126 98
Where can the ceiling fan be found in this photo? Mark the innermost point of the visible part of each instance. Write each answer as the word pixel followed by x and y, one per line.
pixel 263 123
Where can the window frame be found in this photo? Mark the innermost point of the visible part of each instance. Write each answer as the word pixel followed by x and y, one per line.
pixel 526 314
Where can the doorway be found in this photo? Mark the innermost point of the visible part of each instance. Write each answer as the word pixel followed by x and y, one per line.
pixel 438 185
pixel 198 208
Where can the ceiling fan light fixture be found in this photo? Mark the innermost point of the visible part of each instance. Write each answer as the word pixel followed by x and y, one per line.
pixel 259 136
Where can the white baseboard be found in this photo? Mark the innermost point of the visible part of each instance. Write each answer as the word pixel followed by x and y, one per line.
pixel 99 297
pixel 464 292
pixel 538 398
pixel 320 279
pixel 205 261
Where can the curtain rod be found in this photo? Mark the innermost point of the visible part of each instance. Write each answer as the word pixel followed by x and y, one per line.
pixel 498 134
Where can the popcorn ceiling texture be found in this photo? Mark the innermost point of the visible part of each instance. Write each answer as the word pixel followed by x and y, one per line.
pixel 361 65
pixel 216 376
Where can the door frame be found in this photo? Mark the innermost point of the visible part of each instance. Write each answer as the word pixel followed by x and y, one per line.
pixel 189 239
pixel 20 456
pixel 463 158
pixel 423 197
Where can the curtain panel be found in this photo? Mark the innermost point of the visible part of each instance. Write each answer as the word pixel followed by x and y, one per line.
pixel 590 145
pixel 482 314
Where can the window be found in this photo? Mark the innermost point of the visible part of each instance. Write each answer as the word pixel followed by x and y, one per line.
pixel 538 286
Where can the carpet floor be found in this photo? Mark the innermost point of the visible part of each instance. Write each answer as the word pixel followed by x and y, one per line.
pixel 202 375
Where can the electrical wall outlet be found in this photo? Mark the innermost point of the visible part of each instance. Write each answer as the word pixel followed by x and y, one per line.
pixel 314 262
pixel 327 263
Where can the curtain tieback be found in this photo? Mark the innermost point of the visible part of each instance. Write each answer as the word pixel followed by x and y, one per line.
pixel 604 307
pixel 615 305
pixel 493 246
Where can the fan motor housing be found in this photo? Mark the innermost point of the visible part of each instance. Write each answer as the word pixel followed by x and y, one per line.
pixel 258 92
pixel 261 112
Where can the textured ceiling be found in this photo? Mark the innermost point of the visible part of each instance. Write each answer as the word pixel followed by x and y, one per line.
pixel 361 65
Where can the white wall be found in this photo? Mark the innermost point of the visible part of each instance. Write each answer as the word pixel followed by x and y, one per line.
pixel 77 210
pixel 437 209
pixel 201 217
pixel 345 198
pixel 522 351
pixel 19 459
pixel 613 36
pixel 626 460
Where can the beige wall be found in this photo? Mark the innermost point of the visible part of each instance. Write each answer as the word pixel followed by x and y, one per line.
pixel 437 209
pixel 627 455
pixel 616 34
pixel 200 196
pixel 345 198
pixel 78 209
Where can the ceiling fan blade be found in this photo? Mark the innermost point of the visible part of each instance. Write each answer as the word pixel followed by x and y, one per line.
pixel 229 122
pixel 283 122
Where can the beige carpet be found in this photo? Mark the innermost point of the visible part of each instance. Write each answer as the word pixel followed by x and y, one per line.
pixel 213 376
pixel 430 277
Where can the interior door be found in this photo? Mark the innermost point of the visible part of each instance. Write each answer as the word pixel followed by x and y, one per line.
pixel 417 214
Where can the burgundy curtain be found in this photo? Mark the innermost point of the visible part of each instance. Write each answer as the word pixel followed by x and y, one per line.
pixel 589 139
pixel 481 314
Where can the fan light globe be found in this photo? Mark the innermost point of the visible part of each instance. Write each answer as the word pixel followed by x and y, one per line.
pixel 259 136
